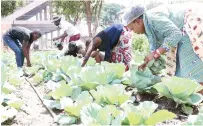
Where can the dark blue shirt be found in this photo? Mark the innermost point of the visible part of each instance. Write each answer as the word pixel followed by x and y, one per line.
pixel 110 37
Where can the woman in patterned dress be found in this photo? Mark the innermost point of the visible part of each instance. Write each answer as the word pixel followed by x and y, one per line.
pixel 115 42
pixel 176 30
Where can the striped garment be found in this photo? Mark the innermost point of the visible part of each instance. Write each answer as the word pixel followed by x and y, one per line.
pixel 164 28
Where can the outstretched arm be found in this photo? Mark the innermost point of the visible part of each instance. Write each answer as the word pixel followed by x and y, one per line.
pixel 62 37
pixel 26 51
pixel 95 43
pixel 171 33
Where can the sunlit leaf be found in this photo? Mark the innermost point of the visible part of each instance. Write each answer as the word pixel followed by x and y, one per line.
pixel 62 91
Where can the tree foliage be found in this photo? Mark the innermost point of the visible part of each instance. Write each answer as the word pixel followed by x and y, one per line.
pixel 8 7
pixel 93 12
pixel 75 9
pixel 72 10
pixel 109 12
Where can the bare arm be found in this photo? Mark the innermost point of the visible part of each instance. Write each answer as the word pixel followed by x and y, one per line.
pixel 149 57
pixel 95 43
pixel 26 50
pixel 171 33
pixel 62 37
pixel 162 50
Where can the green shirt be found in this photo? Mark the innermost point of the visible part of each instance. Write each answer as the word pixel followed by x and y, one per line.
pixel 163 27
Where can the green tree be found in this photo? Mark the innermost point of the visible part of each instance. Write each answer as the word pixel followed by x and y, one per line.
pixel 72 10
pixel 91 9
pixel 109 12
pixel 8 7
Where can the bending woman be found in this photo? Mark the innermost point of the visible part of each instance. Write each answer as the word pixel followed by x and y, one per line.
pixel 19 39
pixel 115 41
pixel 176 30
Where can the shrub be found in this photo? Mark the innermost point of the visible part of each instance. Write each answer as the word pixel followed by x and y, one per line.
pixel 140 43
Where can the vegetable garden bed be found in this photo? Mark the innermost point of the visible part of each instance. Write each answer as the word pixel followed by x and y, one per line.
pixel 98 94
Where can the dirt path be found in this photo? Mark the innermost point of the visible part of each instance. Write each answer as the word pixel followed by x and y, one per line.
pixel 36 114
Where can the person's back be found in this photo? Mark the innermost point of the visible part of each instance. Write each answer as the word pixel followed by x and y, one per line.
pixel 111 37
pixel 115 42
pixel 69 28
pixel 74 48
pixel 167 26
pixel 20 34
pixel 19 39
pixel 175 12
pixel 160 19
pixel 170 11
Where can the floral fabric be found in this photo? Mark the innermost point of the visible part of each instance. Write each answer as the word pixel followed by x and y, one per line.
pixel 122 51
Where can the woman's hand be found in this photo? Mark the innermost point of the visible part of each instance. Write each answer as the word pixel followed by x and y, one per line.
pixel 85 59
pixel 154 55
pixel 149 57
pixel 142 66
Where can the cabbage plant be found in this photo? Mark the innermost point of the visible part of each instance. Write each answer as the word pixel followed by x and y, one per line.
pixel 181 90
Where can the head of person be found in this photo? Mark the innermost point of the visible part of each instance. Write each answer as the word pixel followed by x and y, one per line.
pixel 36 34
pixel 133 19
pixel 56 20
pixel 60 46
pixel 72 46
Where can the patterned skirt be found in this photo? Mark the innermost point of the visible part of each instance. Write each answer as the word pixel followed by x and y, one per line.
pixel 193 27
